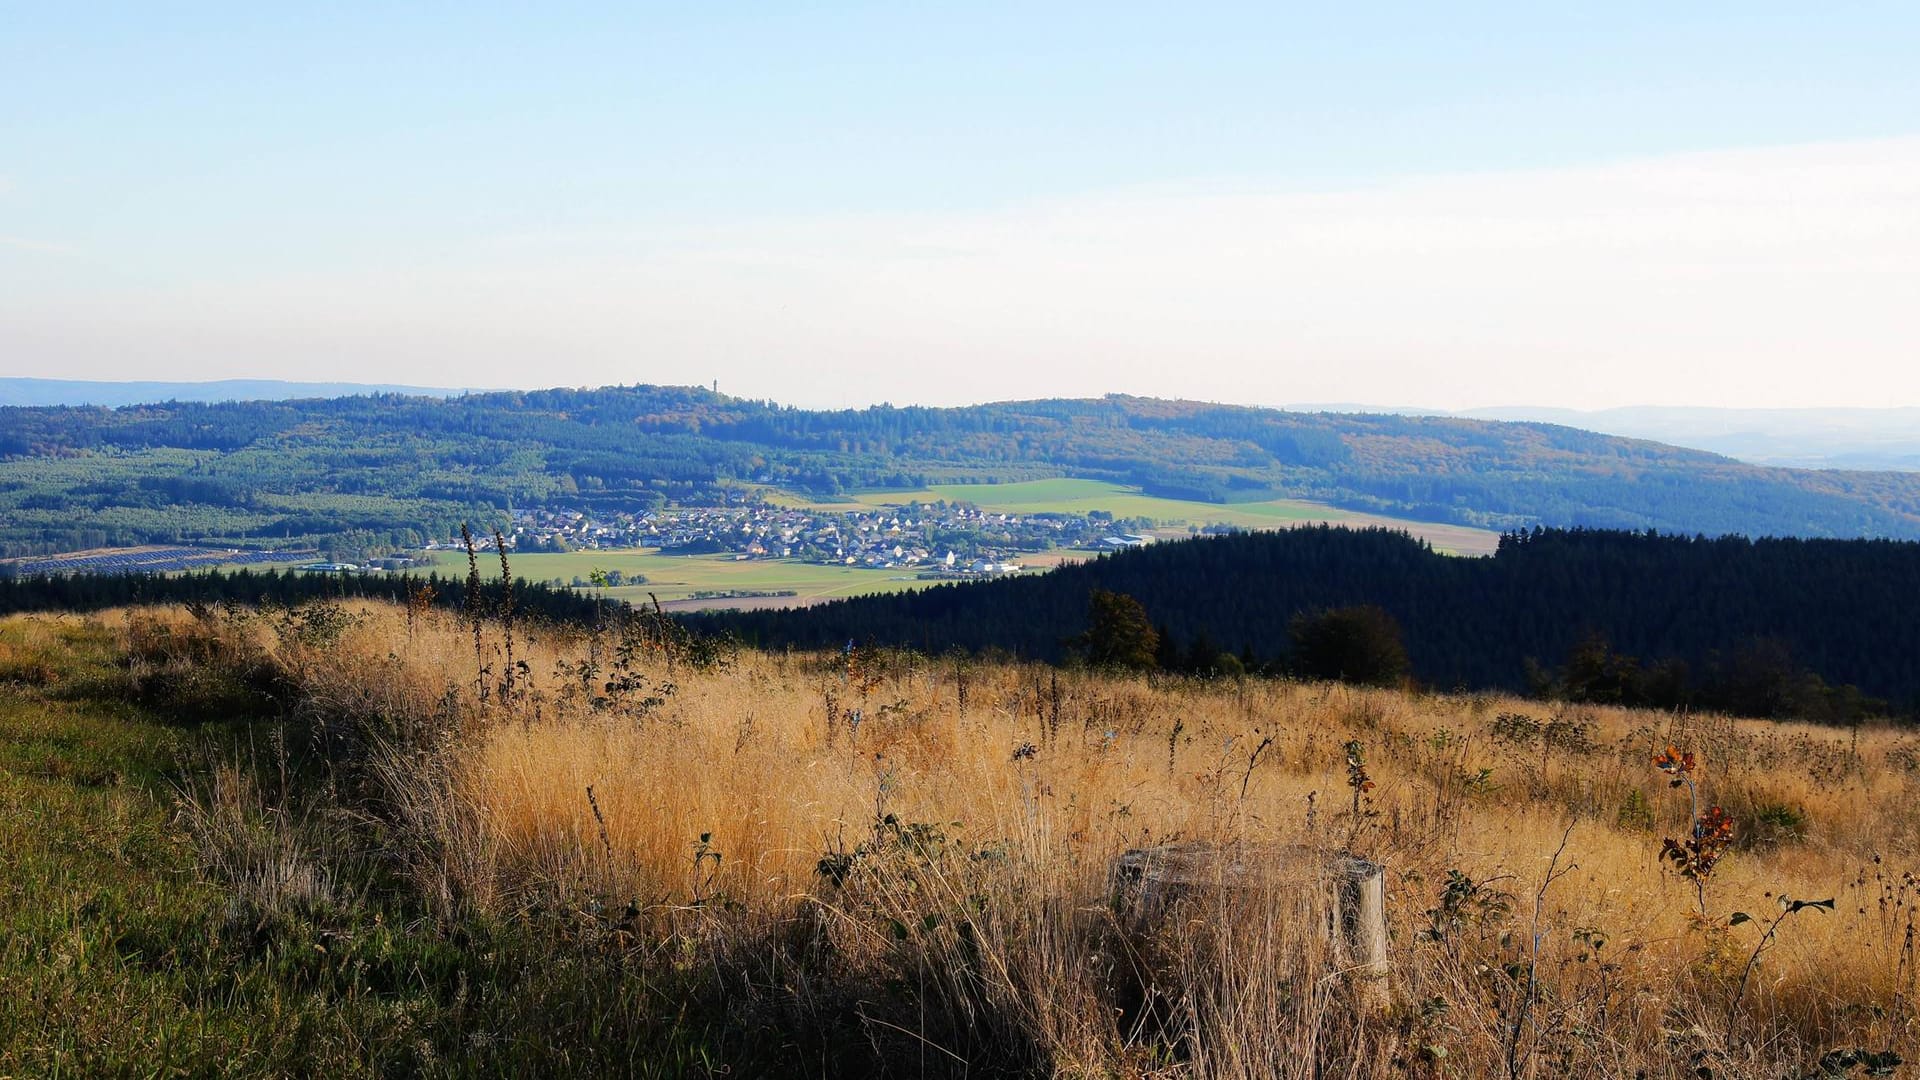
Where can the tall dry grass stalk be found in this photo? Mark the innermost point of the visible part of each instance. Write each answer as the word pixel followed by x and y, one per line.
pixel 927 847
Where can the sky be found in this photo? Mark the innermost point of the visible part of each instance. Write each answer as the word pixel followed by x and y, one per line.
pixel 839 204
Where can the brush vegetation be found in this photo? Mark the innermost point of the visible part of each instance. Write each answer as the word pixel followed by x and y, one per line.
pixel 366 838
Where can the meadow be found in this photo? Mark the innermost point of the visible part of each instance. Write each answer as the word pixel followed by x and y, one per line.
pixel 1072 496
pixel 679 577
pixel 525 848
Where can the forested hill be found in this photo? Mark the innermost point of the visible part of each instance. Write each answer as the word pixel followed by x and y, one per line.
pixel 1842 608
pixel 366 472
pixel 29 391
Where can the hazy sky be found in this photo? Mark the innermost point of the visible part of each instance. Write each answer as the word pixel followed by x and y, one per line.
pixel 1448 205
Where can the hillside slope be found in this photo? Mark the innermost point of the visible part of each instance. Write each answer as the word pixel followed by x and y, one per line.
pixel 363 472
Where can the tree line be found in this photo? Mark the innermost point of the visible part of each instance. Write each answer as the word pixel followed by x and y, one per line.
pixel 1823 628
pixel 1817 629
pixel 288 588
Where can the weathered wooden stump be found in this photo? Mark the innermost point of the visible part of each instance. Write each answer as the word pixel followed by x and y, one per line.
pixel 1150 882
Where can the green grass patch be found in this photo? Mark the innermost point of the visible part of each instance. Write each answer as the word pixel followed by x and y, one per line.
pixel 124 952
pixel 1070 496
pixel 108 960
pixel 676 577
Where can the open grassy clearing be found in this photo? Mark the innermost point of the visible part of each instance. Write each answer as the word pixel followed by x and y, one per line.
pixel 1070 496
pixel 1046 560
pixel 677 577
pixel 119 955
pixel 896 865
pixel 775 496
pixel 180 898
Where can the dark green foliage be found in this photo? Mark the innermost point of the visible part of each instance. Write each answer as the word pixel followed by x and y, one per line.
pixel 1840 1063
pixel 1358 644
pixel 1760 677
pixel 1734 623
pixel 1597 674
pixel 1635 812
pixel 1118 635
pixel 1465 905
pixel 1774 823
pixel 75 592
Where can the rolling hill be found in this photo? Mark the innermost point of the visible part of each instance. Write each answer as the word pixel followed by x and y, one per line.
pixel 369 472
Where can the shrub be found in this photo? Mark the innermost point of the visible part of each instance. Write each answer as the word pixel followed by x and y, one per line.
pixel 1777 821
pixel 1119 634
pixel 1359 644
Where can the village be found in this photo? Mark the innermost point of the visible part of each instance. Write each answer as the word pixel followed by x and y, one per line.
pixel 933 539
pixel 928 540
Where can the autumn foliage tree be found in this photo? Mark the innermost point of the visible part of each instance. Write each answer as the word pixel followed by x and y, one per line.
pixel 1119 634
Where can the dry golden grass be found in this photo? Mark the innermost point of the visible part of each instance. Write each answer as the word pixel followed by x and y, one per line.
pixel 929 844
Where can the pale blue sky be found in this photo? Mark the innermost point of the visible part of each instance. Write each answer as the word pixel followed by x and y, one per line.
pixel 827 204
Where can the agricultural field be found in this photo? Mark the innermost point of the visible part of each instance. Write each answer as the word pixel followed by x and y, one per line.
pixel 681 581
pixel 418 847
pixel 1070 496
pixel 676 578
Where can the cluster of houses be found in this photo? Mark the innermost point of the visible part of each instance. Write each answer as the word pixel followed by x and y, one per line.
pixel 936 539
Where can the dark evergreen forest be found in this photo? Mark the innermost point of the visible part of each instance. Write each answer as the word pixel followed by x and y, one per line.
pixel 1766 626
pixel 95 592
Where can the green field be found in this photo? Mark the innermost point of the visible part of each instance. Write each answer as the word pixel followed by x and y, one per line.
pixel 677 577
pixel 1069 496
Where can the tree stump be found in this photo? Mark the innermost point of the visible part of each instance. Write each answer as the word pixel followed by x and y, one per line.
pixel 1149 882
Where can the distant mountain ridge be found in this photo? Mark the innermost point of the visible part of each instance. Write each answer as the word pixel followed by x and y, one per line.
pixel 1857 439
pixel 110 394
pixel 1828 438
pixel 1886 438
